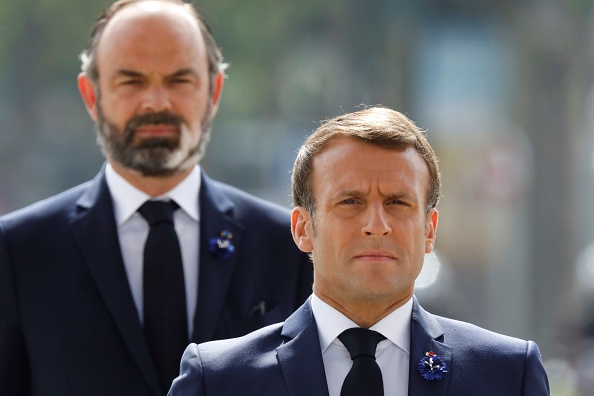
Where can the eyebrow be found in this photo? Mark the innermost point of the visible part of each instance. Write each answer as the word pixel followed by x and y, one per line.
pixel 405 196
pixel 356 193
pixel 183 72
pixel 348 193
pixel 133 73
pixel 127 73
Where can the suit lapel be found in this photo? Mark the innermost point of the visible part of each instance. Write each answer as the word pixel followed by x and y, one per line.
pixel 300 357
pixel 301 361
pixel 96 233
pixel 215 271
pixel 427 336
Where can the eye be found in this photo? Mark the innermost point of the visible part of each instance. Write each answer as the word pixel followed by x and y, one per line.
pixel 131 82
pixel 349 201
pixel 181 81
pixel 398 202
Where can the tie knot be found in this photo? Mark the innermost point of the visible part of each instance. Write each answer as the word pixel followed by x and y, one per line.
pixel 156 212
pixel 360 342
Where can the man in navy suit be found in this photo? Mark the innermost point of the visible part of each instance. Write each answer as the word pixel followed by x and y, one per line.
pixel 365 188
pixel 71 266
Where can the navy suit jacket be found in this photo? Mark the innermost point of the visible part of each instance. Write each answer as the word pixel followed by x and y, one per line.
pixel 68 323
pixel 285 359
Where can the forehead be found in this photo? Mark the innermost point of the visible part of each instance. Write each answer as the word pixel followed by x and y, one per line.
pixel 150 34
pixel 352 165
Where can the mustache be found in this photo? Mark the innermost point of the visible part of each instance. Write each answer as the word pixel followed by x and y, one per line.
pixel 160 118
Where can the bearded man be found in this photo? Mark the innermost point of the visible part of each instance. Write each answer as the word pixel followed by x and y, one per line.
pixel 104 285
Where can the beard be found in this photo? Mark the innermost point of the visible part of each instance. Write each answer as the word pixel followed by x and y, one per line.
pixel 158 156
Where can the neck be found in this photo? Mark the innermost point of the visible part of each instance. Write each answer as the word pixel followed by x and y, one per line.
pixel 152 186
pixel 365 313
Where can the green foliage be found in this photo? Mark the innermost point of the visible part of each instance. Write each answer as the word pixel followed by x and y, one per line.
pixel 12 16
pixel 49 34
pixel 255 36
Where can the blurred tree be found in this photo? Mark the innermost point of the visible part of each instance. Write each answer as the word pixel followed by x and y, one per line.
pixel 37 51
pixel 39 45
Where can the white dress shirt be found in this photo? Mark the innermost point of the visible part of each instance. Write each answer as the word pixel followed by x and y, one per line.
pixel 133 230
pixel 392 354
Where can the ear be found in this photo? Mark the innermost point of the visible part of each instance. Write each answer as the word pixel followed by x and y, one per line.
pixel 302 229
pixel 431 230
pixel 88 94
pixel 217 90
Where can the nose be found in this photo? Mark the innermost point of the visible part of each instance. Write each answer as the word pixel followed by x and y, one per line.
pixel 376 221
pixel 155 99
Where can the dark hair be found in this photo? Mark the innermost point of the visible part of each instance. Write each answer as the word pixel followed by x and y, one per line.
pixel 88 57
pixel 376 125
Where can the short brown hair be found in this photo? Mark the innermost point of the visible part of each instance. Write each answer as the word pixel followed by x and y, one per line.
pixel 376 125
pixel 88 57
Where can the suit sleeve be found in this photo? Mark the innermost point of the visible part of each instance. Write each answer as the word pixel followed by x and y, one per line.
pixel 536 382
pixel 14 365
pixel 191 380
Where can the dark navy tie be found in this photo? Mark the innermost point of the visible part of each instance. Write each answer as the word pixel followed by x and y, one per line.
pixel 365 377
pixel 165 319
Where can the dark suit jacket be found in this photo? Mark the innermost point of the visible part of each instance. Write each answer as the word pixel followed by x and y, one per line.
pixel 285 359
pixel 68 324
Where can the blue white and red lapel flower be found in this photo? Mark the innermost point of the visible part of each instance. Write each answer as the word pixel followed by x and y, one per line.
pixel 222 246
pixel 432 367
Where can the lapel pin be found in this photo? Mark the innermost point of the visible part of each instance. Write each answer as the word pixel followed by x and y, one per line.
pixel 221 246
pixel 432 367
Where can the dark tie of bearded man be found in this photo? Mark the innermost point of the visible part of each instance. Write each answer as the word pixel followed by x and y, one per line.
pixel 165 318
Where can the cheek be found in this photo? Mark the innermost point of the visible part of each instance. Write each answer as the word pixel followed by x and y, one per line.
pixel 193 107
pixel 117 111
pixel 324 251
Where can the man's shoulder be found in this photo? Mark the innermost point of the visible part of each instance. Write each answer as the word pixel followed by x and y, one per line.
pixel 248 350
pixel 235 366
pixel 479 358
pixel 59 205
pixel 468 335
pixel 250 204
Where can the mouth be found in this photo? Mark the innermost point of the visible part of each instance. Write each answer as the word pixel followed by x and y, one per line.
pixel 154 126
pixel 156 130
pixel 375 256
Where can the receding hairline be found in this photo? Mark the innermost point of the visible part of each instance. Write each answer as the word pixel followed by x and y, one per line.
pixel 148 9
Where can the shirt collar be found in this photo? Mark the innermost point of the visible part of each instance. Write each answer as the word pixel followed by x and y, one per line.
pixel 331 322
pixel 127 198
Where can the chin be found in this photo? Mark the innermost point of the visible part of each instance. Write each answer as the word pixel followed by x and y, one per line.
pixel 377 292
pixel 175 163
pixel 384 289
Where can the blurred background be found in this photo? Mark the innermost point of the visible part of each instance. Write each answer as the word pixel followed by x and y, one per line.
pixel 503 89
